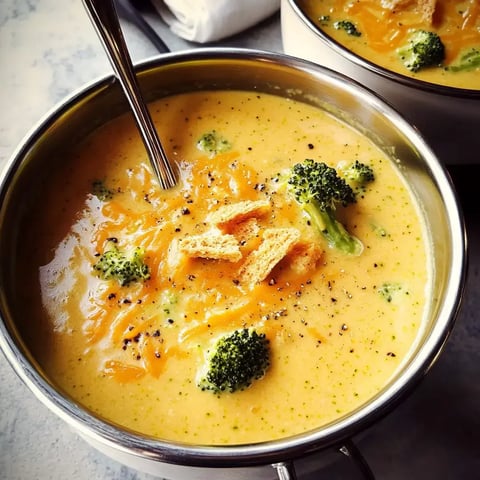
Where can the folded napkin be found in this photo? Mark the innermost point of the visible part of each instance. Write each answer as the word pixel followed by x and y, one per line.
pixel 209 20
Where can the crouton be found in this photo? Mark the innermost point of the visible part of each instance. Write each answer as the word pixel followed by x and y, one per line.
pixel 393 4
pixel 211 245
pixel 276 243
pixel 238 212
pixel 425 8
pixel 304 257
pixel 245 230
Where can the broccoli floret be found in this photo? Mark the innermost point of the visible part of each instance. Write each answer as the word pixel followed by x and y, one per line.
pixel 113 264
pixel 324 20
pixel 168 301
pixel 423 49
pixel 319 190
pixel 468 60
pixel 236 361
pixel 389 290
pixel 213 143
pixel 101 191
pixel 379 230
pixel 348 27
pixel 357 174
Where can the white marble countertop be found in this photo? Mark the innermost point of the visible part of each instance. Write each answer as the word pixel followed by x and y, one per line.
pixel 48 49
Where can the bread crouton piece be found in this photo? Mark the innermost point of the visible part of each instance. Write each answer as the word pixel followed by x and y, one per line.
pixel 303 258
pixel 245 230
pixel 425 8
pixel 276 243
pixel 393 4
pixel 238 212
pixel 211 245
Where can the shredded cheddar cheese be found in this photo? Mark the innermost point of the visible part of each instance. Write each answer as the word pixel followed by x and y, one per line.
pixel 132 353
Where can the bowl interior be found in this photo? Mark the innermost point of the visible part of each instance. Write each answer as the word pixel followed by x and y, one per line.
pixel 256 71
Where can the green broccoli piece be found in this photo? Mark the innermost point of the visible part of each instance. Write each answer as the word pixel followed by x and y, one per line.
pixel 389 290
pixel 168 301
pixel 213 143
pixel 113 264
pixel 379 230
pixel 236 360
pixel 101 191
pixel 357 174
pixel 324 20
pixel 348 26
pixel 468 60
pixel 319 190
pixel 423 49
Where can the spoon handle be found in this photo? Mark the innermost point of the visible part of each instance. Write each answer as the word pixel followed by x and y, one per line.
pixel 105 20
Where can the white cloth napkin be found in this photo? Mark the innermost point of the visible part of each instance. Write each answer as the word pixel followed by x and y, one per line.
pixel 209 20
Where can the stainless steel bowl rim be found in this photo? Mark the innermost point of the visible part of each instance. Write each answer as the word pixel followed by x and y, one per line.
pixel 267 452
pixel 379 70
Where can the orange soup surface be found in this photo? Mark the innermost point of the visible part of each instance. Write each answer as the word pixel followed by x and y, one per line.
pixel 385 26
pixel 339 325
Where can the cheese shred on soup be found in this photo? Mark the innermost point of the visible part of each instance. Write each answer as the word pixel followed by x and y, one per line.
pixel 226 249
pixel 384 33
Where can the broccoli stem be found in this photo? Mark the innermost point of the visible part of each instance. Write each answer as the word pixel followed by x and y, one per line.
pixel 334 232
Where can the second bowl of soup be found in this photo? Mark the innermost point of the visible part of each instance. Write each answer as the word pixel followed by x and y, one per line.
pixel 423 57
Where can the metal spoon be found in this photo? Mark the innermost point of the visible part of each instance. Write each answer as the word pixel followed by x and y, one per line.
pixel 105 20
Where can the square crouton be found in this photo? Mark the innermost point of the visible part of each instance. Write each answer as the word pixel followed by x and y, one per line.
pixel 245 230
pixel 426 8
pixel 275 245
pixel 304 257
pixel 211 245
pixel 238 212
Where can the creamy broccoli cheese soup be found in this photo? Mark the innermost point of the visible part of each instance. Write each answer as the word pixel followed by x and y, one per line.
pixel 380 31
pixel 228 248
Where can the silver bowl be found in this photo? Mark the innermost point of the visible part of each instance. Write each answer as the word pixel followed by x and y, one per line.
pixel 256 71
pixel 446 116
